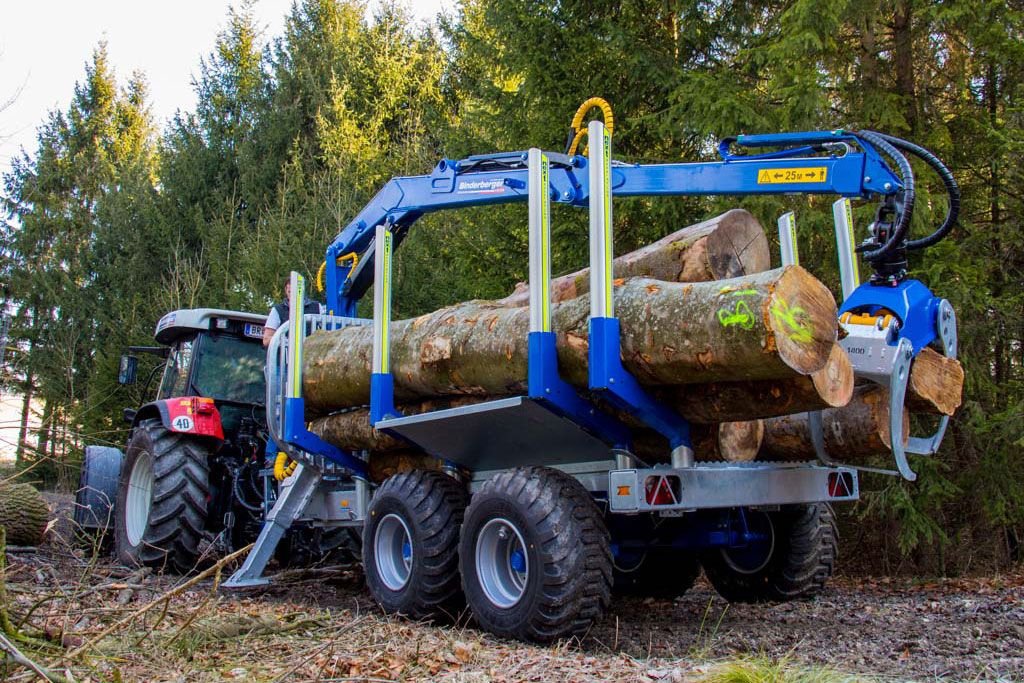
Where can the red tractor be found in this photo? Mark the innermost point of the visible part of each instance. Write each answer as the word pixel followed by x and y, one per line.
pixel 194 476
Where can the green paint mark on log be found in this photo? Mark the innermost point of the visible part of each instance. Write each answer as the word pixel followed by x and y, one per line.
pixel 740 315
pixel 791 321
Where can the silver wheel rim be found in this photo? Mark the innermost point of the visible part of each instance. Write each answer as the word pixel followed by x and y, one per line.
pixel 139 499
pixel 502 564
pixel 392 552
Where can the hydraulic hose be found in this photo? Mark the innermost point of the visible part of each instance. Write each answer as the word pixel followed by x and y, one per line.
pixel 952 189
pixel 907 173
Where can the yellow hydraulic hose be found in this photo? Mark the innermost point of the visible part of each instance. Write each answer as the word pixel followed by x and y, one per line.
pixel 351 256
pixel 576 129
pixel 282 468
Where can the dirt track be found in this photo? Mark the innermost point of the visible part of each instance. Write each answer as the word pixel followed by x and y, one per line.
pixel 967 629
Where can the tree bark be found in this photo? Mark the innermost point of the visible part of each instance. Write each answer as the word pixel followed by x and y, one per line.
pixel 853 432
pixel 726 246
pixel 936 384
pixel 772 325
pixel 830 387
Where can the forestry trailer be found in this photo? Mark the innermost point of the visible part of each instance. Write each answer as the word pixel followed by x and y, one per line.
pixel 539 502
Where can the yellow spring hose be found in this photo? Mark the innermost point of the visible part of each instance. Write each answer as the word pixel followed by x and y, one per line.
pixel 577 121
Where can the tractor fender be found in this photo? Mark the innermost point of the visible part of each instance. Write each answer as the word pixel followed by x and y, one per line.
pixel 97 487
pixel 185 415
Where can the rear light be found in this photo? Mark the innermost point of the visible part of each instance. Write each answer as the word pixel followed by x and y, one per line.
pixel 840 484
pixel 662 490
pixel 203 406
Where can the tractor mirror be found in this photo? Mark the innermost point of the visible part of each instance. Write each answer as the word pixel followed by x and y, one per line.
pixel 128 369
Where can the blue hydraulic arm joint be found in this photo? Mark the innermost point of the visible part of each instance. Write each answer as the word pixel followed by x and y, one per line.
pixel 607 375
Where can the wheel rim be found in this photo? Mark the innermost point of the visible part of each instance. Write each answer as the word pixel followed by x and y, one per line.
pixel 502 563
pixel 392 552
pixel 140 498
pixel 756 555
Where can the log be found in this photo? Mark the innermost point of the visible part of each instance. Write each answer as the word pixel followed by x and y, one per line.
pixel 853 432
pixel 726 246
pixel 936 384
pixel 772 325
pixel 729 441
pixel 24 514
pixel 830 387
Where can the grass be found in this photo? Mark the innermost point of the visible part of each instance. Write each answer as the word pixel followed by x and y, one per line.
pixel 768 670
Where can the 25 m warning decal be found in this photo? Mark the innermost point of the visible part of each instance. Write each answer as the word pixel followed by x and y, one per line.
pixel 771 176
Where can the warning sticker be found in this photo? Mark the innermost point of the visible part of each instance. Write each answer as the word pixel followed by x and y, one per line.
pixel 815 174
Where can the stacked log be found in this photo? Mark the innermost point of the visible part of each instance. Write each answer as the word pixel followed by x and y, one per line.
pixel 704 326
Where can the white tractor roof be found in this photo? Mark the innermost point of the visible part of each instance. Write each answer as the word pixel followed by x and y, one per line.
pixel 182 321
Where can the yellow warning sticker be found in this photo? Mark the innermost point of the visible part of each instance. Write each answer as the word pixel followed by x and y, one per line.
pixel 814 174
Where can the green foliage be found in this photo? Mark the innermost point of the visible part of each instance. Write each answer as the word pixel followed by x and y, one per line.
pixel 110 222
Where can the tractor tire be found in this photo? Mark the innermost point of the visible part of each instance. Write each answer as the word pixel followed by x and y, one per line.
pixel 535 556
pixel 797 565
pixel 661 574
pixel 410 545
pixel 160 512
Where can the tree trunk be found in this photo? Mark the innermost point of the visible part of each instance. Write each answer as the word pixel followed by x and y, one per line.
pixel 726 246
pixel 830 387
pixel 772 325
pixel 936 384
pixel 852 433
pixel 26 412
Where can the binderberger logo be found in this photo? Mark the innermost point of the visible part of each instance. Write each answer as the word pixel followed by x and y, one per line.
pixel 492 186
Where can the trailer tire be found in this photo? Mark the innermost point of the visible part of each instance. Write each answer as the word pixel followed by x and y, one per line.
pixel 535 556
pixel 662 574
pixel 160 513
pixel 410 545
pixel 799 564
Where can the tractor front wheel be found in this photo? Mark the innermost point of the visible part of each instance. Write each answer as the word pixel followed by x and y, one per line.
pixel 160 512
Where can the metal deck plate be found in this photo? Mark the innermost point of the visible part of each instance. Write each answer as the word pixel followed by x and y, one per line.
pixel 510 432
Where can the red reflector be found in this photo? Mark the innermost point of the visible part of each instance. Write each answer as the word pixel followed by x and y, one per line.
pixel 840 484
pixel 658 491
pixel 202 406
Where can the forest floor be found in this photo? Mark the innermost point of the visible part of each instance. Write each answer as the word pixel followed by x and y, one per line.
pixel 101 622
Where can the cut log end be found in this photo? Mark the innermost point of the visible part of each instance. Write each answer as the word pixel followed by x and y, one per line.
pixel 936 384
pixel 834 382
pixel 801 314
pixel 739 246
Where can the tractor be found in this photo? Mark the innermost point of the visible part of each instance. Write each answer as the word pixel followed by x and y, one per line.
pixel 193 478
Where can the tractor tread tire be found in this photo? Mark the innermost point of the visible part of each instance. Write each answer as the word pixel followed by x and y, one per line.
pixel 177 517
pixel 561 521
pixel 807 543
pixel 432 504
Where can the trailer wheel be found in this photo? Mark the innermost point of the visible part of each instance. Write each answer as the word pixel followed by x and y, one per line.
pixel 160 512
pixel 663 574
pixel 410 544
pixel 795 564
pixel 535 556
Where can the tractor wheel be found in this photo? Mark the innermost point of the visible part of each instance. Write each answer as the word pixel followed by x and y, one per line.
pixel 160 512
pixel 535 556
pixel 662 574
pixel 410 545
pixel 794 562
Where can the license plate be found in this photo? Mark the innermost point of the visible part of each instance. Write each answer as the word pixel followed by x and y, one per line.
pixel 252 330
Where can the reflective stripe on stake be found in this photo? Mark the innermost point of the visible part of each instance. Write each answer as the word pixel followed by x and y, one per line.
pixel 601 249
pixel 381 299
pixel 787 239
pixel 296 334
pixel 849 275
pixel 540 243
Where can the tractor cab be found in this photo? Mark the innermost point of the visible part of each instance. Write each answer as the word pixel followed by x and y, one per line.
pixel 212 355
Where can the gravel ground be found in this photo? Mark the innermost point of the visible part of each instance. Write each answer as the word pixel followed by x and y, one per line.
pixel 867 628
pixel 955 630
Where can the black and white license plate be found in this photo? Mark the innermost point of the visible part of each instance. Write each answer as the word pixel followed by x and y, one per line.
pixel 251 330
